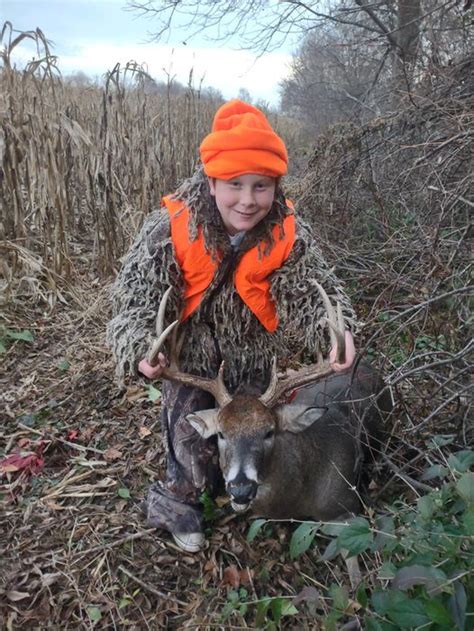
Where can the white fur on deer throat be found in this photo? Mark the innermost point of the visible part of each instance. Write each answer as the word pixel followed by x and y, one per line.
pixel 237 466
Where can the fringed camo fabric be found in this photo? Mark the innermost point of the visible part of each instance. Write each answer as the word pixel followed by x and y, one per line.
pixel 192 463
pixel 223 327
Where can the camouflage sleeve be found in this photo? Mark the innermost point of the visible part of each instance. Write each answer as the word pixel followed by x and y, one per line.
pixel 299 304
pixel 148 270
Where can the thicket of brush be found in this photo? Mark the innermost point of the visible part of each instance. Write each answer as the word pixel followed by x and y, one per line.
pixel 392 201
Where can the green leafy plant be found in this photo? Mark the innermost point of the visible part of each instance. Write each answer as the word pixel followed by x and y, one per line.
pixel 8 335
pixel 422 554
pixel 64 365
pixel 153 393
pixel 267 612
pixel 235 603
pixel 124 493
pixel 210 510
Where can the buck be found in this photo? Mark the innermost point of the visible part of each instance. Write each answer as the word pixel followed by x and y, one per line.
pixel 290 460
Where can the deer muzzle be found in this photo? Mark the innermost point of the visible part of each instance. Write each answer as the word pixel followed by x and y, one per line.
pixel 242 493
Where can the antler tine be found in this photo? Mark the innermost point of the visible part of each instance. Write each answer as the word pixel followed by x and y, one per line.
pixel 160 316
pixel 304 376
pixel 222 395
pixel 315 372
pixel 341 336
pixel 215 386
pixel 335 323
pixel 161 335
pixel 158 343
pixel 272 386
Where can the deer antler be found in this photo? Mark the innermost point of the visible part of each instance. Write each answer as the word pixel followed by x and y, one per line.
pixel 215 386
pixel 309 374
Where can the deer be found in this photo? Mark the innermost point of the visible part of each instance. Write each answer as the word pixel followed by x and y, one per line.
pixel 289 460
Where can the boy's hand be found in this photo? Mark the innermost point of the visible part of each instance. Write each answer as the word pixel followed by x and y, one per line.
pixel 350 354
pixel 152 372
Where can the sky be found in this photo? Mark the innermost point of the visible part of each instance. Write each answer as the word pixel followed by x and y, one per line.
pixel 93 35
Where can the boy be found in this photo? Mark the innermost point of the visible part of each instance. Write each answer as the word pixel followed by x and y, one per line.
pixel 244 269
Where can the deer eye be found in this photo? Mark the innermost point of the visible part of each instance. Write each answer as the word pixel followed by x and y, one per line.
pixel 269 434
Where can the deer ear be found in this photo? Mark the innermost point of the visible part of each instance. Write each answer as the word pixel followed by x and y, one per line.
pixel 204 422
pixel 297 417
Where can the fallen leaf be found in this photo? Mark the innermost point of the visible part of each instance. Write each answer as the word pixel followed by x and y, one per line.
pixel 308 594
pixel 8 468
pixel 31 463
pixel 246 576
pixel 72 434
pixel 50 579
pixel 144 431
pixel 154 395
pixel 54 505
pixel 13 595
pixel 222 500
pixel 231 577
pixel 87 434
pixel 210 566
pixel 23 442
pixel 112 454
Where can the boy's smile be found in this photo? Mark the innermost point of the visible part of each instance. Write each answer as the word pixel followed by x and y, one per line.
pixel 243 201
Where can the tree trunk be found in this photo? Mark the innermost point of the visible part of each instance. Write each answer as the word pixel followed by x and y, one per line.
pixel 407 38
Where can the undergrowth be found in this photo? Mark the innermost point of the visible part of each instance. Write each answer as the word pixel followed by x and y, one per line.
pixel 420 555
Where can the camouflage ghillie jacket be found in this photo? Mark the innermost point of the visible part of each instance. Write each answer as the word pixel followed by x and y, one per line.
pixel 223 327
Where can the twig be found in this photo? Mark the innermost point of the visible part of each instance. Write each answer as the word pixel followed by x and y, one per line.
pixel 119 542
pixel 406 478
pixel 441 406
pixel 61 440
pixel 150 588
pixel 463 199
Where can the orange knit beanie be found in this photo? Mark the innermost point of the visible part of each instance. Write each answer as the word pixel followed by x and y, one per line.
pixel 242 141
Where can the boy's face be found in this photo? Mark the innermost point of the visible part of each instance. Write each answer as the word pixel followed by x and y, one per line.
pixel 243 201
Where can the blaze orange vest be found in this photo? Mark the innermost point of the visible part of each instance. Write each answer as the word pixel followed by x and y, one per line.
pixel 251 274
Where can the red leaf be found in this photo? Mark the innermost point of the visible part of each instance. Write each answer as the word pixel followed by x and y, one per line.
pixel 231 577
pixel 30 462
pixel 72 434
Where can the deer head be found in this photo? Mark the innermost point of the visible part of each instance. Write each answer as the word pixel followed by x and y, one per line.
pixel 247 426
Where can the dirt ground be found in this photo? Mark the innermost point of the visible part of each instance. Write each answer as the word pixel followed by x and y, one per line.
pixel 75 552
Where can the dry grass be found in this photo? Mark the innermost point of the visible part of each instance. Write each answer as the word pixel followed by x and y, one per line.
pixel 82 166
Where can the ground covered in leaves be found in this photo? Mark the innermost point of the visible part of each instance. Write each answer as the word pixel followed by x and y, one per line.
pixel 78 455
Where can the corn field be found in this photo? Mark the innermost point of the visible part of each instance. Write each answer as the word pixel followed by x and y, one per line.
pixel 81 167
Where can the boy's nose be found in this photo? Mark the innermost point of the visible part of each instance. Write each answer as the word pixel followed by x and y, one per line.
pixel 247 197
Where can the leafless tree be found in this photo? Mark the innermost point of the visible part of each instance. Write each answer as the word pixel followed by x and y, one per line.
pixel 398 25
pixel 338 74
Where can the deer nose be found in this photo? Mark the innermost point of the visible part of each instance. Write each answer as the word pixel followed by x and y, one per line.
pixel 244 492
